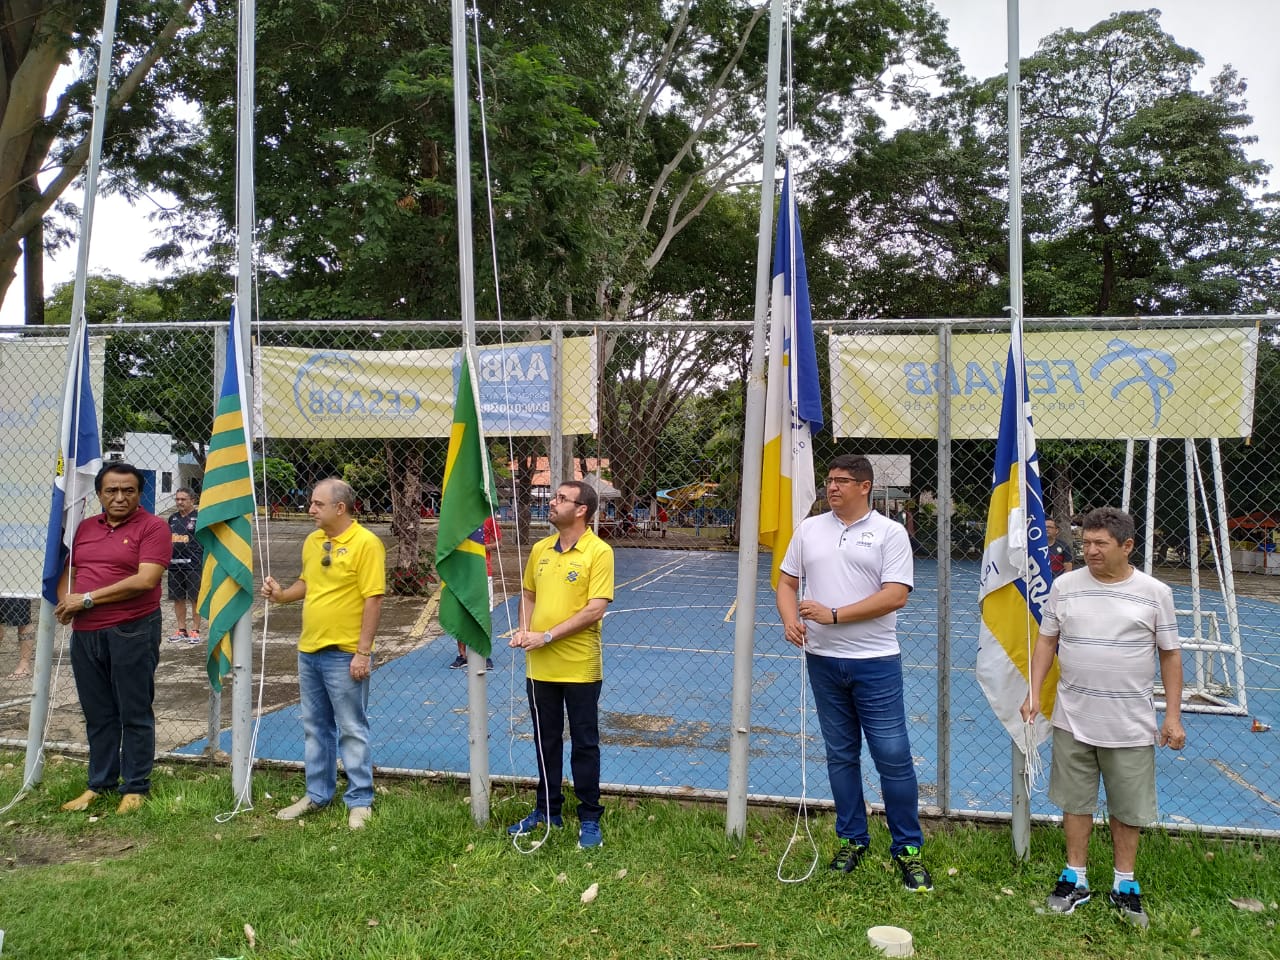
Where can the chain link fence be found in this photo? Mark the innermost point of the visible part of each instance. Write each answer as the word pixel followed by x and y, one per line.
pixel 1126 414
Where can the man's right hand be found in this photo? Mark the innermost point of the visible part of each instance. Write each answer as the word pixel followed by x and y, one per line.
pixel 794 633
pixel 270 588
pixel 1028 709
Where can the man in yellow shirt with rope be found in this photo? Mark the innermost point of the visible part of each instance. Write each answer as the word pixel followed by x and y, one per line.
pixel 568 584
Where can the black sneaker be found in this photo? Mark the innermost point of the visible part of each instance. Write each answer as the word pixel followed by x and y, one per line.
pixel 1067 894
pixel 1128 900
pixel 459 663
pixel 848 856
pixel 914 876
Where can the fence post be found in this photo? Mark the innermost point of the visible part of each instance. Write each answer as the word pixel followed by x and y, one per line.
pixel 944 569
pixel 744 625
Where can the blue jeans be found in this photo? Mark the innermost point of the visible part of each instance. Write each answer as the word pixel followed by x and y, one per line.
pixel 864 697
pixel 335 722
pixel 551 704
pixel 115 672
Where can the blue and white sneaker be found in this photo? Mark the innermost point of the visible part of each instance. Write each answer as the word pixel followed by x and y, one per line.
pixel 532 822
pixel 1128 900
pixel 589 835
pixel 1068 893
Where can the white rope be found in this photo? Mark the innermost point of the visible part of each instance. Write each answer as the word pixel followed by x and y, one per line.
pixel 510 444
pixel 261 526
pixel 802 811
pixel 791 225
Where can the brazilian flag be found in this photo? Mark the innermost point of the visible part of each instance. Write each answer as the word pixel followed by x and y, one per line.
pixel 466 500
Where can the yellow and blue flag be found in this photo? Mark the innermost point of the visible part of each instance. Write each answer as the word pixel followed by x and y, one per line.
pixel 1015 578
pixel 793 398
pixel 466 501
pixel 224 528
pixel 79 460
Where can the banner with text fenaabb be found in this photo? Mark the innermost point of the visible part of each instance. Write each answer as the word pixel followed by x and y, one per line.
pixel 1082 384
pixel 337 394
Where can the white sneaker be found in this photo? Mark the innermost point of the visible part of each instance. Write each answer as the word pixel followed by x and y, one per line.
pixel 358 817
pixel 295 810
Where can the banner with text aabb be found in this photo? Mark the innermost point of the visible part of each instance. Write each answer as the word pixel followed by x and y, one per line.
pixel 335 394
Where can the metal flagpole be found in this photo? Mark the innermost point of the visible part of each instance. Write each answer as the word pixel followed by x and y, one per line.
pixel 1021 802
pixel 43 666
pixel 241 634
pixel 744 624
pixel 477 696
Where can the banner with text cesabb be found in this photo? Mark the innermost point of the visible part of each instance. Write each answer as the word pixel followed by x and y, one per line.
pixel 1083 384
pixel 339 394
pixel 33 375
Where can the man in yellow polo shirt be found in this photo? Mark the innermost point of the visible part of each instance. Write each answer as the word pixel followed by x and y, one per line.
pixel 344 575
pixel 568 583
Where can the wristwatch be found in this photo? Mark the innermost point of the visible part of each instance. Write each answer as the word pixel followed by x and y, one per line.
pixel 86 601
pixel 547 638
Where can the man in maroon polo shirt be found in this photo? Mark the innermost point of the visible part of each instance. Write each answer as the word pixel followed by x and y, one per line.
pixel 110 594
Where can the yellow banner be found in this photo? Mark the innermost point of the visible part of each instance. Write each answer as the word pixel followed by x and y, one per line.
pixel 1083 384
pixel 338 394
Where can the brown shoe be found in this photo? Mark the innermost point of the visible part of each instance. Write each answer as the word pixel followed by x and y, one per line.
pixel 81 802
pixel 295 810
pixel 131 802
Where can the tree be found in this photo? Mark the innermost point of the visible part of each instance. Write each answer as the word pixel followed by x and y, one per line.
pixel 157 381
pixel 37 37
pixel 1138 192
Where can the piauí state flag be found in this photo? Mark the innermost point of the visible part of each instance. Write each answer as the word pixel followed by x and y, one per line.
pixel 80 446
pixel 1015 578
pixel 793 399
pixel 466 500
pixel 224 528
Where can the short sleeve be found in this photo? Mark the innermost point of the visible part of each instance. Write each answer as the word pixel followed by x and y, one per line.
pixel 898 566
pixel 791 559
pixel 372 577
pixel 1166 621
pixel 1049 625
pixel 156 544
pixel 601 581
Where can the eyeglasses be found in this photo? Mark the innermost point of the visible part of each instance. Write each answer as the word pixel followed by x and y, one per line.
pixel 328 555
pixel 561 498
pixel 843 481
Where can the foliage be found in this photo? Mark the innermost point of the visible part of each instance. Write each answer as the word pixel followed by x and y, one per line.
pixel 671 884
pixel 274 476
pixel 156 382
pixel 414 580
pixel 147 145
pixel 1139 196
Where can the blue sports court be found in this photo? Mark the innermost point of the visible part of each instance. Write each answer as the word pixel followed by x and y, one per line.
pixel 668 680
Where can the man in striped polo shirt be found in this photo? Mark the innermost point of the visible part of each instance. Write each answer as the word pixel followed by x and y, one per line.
pixel 1108 624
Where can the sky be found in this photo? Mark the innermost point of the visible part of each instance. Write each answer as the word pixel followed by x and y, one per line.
pixel 1239 32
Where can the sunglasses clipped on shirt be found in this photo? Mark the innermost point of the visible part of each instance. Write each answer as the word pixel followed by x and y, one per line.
pixel 328 554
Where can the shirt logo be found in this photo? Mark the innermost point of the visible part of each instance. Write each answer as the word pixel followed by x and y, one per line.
pixel 571 576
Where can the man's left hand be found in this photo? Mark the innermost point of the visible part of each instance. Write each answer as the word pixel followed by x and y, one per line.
pixel 361 666
pixel 1172 734
pixel 69 607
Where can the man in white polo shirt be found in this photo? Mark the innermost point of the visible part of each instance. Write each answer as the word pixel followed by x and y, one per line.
pixel 853 568
pixel 1107 624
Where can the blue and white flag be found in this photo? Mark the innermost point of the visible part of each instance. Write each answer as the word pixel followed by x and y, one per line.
pixel 793 397
pixel 79 460
pixel 1016 577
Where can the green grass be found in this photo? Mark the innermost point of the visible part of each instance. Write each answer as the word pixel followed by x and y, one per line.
pixel 423 881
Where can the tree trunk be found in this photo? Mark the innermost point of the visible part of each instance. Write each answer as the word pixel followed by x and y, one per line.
pixel 404 476
pixel 32 250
